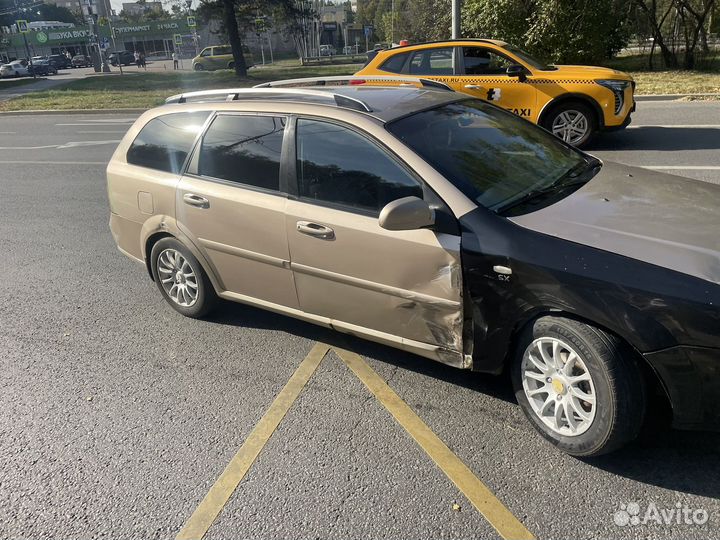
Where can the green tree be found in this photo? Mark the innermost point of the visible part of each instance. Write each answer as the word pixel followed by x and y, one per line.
pixel 508 20
pixel 572 31
pixel 429 20
pixel 677 27
pixel 569 31
pixel 238 16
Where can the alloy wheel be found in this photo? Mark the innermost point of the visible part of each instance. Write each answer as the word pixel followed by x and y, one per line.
pixel 571 126
pixel 558 386
pixel 177 277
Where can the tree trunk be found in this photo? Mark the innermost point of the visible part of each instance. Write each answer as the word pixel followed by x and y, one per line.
pixel 704 41
pixel 669 58
pixel 234 37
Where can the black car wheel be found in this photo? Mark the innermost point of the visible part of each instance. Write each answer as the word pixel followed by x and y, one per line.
pixel 181 279
pixel 573 122
pixel 578 386
pixel 198 67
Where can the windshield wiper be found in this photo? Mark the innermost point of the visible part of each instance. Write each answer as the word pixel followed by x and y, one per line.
pixel 575 176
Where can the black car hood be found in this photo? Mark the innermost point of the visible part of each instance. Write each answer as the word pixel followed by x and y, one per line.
pixel 658 218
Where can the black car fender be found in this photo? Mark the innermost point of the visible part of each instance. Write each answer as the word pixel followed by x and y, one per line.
pixel 649 307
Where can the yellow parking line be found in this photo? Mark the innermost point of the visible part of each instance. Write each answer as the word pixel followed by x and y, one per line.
pixel 204 515
pixel 504 522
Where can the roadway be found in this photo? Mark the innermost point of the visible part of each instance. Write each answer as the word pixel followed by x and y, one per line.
pixel 118 415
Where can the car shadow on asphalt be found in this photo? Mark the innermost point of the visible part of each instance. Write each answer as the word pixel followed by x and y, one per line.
pixel 684 461
pixel 658 138
pixel 246 316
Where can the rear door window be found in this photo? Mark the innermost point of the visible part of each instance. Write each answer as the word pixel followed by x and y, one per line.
pixel 432 62
pixel 165 141
pixel 243 149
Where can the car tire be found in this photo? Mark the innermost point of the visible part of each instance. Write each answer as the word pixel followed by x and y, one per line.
pixel 198 67
pixel 231 65
pixel 190 292
pixel 578 386
pixel 572 121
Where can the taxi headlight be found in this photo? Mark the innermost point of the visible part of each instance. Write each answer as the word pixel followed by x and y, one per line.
pixel 618 90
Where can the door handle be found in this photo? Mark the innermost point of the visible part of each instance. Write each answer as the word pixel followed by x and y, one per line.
pixel 315 229
pixel 472 87
pixel 196 200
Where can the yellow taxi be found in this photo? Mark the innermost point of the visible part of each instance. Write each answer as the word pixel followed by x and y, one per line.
pixel 573 102
pixel 219 57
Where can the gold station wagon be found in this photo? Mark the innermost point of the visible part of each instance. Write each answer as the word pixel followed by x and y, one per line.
pixel 443 225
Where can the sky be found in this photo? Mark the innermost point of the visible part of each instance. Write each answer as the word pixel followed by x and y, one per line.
pixel 117 4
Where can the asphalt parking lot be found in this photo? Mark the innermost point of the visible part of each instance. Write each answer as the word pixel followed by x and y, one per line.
pixel 119 415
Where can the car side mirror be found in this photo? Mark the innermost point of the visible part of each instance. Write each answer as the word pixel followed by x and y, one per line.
pixel 406 214
pixel 516 70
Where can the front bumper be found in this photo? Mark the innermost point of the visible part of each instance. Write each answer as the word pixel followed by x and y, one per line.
pixel 691 376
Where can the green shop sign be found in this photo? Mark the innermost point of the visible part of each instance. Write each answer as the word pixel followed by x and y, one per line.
pixel 157 29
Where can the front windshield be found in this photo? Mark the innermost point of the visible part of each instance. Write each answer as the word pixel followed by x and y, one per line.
pixel 525 57
pixel 491 155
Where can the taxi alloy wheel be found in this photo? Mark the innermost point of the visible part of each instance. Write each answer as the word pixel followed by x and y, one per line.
pixel 572 122
pixel 571 126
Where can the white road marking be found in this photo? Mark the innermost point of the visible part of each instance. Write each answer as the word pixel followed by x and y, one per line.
pixel 28 147
pixel 117 120
pixel 681 126
pixel 72 144
pixel 7 133
pixel 682 167
pixel 84 132
pixel 85 124
pixel 87 143
pixel 36 162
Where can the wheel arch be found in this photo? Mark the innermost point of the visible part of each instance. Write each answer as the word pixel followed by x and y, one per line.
pixel 654 382
pixel 178 235
pixel 570 98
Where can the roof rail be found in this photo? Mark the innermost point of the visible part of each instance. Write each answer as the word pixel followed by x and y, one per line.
pixel 286 94
pixel 353 80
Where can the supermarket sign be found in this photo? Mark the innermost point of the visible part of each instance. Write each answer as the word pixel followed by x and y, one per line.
pixel 154 29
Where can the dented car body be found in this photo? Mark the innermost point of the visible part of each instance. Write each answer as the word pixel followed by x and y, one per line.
pixel 469 224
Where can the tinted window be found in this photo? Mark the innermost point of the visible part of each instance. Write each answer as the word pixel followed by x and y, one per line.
pixel 221 50
pixel 395 63
pixel 479 61
pixel 492 155
pixel 432 62
pixel 165 141
pixel 243 149
pixel 337 165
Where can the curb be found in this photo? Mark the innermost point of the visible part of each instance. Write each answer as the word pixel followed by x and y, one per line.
pixel 72 111
pixel 670 97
